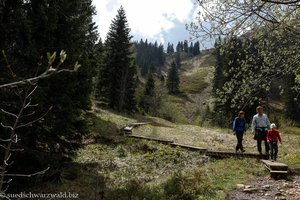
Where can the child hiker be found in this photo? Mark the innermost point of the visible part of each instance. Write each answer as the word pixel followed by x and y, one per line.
pixel 273 137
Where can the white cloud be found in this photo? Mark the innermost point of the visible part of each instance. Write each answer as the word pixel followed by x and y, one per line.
pixel 147 18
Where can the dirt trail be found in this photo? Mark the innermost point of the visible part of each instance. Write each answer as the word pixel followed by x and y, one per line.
pixel 265 188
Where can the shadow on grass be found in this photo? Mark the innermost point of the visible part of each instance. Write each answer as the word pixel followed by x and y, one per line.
pixel 102 131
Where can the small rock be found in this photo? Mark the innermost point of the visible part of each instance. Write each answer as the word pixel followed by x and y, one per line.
pixel 240 186
pixel 280 198
pixel 248 186
pixel 286 185
pixel 278 194
pixel 267 194
pixel 251 190
pixel 266 186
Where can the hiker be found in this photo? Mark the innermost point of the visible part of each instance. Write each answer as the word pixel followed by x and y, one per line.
pixel 260 127
pixel 239 129
pixel 273 137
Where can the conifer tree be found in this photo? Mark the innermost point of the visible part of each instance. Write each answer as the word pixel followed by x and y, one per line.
pixel 196 49
pixel 170 48
pixel 178 59
pixel 173 80
pixel 186 46
pixel 149 87
pixel 149 57
pixel 178 47
pixel 30 29
pixel 118 75
pixel 191 49
pixel 148 98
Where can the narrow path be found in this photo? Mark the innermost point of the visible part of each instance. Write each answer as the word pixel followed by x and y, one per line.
pixel 266 188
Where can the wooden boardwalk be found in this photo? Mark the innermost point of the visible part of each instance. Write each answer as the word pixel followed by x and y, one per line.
pixel 276 169
pixel 128 128
pixel 163 141
pixel 205 151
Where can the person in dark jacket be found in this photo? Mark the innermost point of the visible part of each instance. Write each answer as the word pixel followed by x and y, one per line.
pixel 239 129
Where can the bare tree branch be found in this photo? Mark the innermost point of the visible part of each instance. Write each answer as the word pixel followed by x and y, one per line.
pixel 286 2
pixel 29 175
pixel 32 122
pixel 8 113
pixel 6 126
pixel 24 96
pixel 33 80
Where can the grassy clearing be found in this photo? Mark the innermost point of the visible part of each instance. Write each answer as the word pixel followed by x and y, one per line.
pixel 209 60
pixel 223 139
pixel 144 170
pixel 144 163
pixel 194 83
pixel 136 169
pixel 212 138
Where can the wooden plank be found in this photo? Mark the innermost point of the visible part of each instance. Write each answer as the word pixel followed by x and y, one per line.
pixel 273 163
pixel 277 169
pixel 278 172
pixel 139 124
pixel 276 166
pixel 128 128
pixel 164 141
pixel 232 154
pixel 188 147
pixel 216 154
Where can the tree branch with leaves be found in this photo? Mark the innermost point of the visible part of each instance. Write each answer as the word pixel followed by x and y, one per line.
pixel 24 89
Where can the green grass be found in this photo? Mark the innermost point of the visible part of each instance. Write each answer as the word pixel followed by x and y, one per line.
pixel 136 169
pixel 143 162
pixel 223 175
pixel 292 130
pixel 209 61
pixel 194 83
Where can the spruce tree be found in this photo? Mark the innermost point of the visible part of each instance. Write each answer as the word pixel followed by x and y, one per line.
pixel 170 48
pixel 147 99
pixel 186 46
pixel 118 75
pixel 178 47
pixel 149 56
pixel 173 80
pixel 196 49
pixel 178 59
pixel 191 49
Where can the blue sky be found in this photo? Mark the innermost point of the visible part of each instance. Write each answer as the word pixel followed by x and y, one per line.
pixel 161 20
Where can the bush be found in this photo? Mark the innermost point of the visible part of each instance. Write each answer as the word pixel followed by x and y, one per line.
pixel 194 185
pixel 135 190
pixel 175 190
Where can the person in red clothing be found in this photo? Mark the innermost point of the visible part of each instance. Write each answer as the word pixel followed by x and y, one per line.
pixel 273 137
